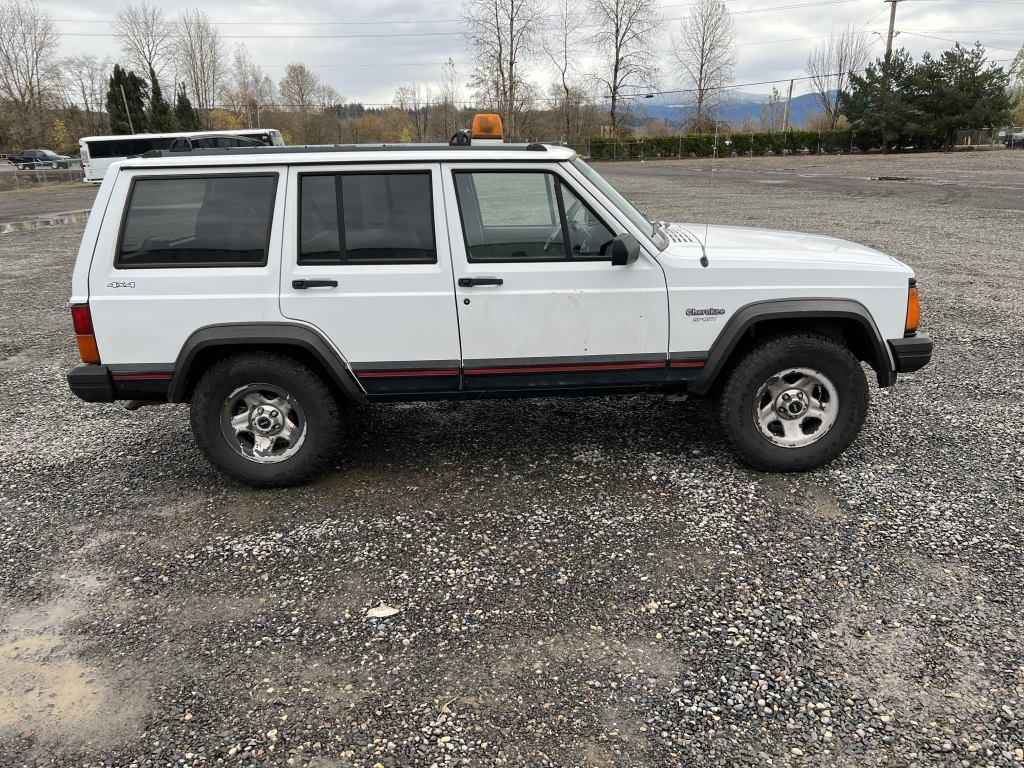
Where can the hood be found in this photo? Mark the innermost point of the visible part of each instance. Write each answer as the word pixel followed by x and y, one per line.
pixel 751 242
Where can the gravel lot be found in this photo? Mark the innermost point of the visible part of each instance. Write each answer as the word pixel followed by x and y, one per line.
pixel 577 582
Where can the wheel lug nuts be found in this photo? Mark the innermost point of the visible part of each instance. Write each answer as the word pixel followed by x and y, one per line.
pixel 785 396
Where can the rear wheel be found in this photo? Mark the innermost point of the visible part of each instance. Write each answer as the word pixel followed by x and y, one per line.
pixel 794 402
pixel 265 419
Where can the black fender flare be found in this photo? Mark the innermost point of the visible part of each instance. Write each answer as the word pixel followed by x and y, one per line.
pixel 789 309
pixel 263 334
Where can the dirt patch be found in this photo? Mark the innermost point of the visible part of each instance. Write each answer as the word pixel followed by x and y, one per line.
pixel 49 691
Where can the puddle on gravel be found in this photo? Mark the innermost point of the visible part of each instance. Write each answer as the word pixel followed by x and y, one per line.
pixel 47 691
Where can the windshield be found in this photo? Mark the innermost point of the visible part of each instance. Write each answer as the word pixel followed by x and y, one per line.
pixel 659 238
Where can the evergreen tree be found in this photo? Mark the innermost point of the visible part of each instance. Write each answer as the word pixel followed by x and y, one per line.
pixel 878 100
pixel 930 101
pixel 126 90
pixel 960 90
pixel 159 116
pixel 188 119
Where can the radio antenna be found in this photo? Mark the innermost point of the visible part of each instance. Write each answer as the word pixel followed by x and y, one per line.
pixel 711 187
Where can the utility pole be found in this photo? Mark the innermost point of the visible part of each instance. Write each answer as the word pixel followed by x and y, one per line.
pixel 127 112
pixel 892 26
pixel 789 102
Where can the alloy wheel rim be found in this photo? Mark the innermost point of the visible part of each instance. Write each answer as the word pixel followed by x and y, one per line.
pixel 263 423
pixel 796 407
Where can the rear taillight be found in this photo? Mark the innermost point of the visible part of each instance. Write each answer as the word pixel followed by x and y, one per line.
pixel 81 319
pixel 913 310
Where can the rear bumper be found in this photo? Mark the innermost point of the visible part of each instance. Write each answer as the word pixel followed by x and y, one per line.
pixel 911 353
pixel 104 384
pixel 91 383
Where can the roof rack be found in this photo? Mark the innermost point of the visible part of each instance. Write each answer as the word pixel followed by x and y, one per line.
pixel 326 148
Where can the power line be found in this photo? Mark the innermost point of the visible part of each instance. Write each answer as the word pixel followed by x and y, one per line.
pixel 950 40
pixel 649 94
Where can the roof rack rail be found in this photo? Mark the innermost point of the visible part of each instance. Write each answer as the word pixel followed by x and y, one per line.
pixel 328 148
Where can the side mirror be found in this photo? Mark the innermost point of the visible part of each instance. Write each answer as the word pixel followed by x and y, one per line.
pixel 625 250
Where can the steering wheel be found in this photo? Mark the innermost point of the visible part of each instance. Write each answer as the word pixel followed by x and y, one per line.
pixel 557 228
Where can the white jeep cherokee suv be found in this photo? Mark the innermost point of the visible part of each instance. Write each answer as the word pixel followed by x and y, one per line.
pixel 268 286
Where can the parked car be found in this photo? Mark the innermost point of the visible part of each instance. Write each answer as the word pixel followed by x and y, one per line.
pixel 266 285
pixel 1014 140
pixel 39 158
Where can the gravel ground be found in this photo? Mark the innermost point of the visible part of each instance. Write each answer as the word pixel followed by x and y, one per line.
pixel 570 582
pixel 37 201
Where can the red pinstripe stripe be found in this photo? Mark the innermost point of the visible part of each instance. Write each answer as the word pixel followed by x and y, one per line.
pixel 569 368
pixel 687 364
pixel 403 374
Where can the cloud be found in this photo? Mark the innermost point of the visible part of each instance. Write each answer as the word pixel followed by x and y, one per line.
pixel 367 58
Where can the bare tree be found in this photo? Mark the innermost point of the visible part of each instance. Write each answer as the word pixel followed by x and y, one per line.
pixel 1017 84
pixel 626 33
pixel 147 38
pixel 86 79
pixel 502 35
pixel 414 99
pixel 561 45
pixel 830 65
pixel 773 113
pixel 704 54
pixel 29 70
pixel 304 95
pixel 249 90
pixel 446 104
pixel 201 60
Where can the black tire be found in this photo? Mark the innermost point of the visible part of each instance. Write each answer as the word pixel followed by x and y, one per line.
pixel 799 350
pixel 321 420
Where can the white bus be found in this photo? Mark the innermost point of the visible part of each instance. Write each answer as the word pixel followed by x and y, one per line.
pixel 98 152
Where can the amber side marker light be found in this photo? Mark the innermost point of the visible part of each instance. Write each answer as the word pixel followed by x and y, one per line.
pixel 81 319
pixel 487 127
pixel 913 311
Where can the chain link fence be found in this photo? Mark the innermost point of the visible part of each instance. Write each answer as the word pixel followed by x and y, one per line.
pixel 12 178
pixel 1008 137
pixel 730 144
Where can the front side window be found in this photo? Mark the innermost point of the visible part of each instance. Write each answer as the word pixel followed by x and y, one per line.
pixel 366 218
pixel 199 221
pixel 527 216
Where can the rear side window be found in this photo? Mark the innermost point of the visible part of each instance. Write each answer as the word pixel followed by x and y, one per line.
pixel 199 221
pixel 366 218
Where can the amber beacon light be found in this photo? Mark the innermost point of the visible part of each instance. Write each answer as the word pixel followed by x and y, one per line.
pixel 487 127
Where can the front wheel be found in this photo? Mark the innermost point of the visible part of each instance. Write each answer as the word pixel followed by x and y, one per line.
pixel 794 402
pixel 265 419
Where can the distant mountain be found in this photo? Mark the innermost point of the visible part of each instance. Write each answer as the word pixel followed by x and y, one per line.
pixel 740 108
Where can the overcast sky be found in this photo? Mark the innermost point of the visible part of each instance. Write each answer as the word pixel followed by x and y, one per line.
pixel 365 59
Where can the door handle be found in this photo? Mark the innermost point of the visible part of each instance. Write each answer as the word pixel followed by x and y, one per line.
pixel 469 282
pixel 303 284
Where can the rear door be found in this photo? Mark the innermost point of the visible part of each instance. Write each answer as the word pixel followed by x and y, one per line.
pixel 540 304
pixel 366 259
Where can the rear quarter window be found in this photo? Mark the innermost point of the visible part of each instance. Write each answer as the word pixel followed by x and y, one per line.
pixel 197 221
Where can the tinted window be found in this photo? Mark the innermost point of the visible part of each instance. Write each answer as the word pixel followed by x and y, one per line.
pixel 371 218
pixel 198 222
pixel 524 215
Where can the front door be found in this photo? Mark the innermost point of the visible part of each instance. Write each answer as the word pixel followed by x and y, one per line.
pixel 539 303
pixel 366 260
